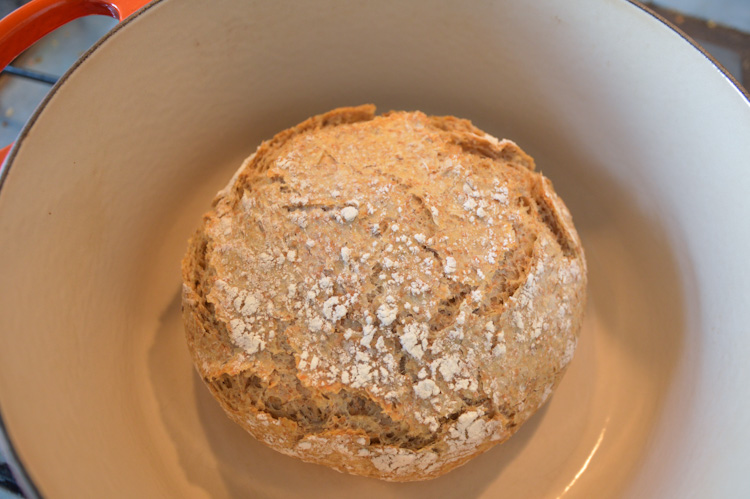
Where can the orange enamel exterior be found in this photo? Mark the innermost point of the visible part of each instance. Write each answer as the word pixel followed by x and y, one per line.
pixel 23 27
pixel 4 153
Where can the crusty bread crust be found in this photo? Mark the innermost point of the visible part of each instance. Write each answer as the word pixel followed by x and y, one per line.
pixel 389 296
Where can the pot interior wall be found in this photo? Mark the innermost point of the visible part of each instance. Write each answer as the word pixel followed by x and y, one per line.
pixel 96 387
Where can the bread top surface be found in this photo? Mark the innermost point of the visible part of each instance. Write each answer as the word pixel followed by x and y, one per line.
pixel 407 261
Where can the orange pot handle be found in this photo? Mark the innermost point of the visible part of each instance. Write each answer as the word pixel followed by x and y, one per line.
pixel 21 28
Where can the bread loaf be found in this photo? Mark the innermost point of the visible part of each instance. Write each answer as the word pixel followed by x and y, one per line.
pixel 389 296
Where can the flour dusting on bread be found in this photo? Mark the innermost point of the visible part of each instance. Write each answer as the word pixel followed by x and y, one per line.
pixel 387 295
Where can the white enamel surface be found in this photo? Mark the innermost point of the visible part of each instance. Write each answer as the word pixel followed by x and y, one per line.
pixel 645 140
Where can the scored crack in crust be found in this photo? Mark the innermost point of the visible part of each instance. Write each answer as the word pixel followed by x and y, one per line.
pixel 389 296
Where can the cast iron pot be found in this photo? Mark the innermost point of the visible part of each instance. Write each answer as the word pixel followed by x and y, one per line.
pixel 645 138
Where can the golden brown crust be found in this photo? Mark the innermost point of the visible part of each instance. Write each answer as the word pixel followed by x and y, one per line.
pixel 389 296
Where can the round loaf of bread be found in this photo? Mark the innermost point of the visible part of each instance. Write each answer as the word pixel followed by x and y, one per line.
pixel 389 296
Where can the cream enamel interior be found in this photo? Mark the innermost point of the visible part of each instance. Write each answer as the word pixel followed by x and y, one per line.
pixel 643 138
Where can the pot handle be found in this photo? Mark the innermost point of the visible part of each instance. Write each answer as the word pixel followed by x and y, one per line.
pixel 24 26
